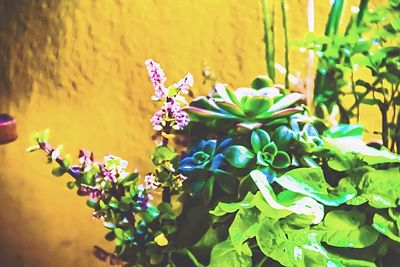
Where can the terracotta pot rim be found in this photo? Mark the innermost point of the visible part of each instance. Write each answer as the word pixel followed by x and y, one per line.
pixel 8 119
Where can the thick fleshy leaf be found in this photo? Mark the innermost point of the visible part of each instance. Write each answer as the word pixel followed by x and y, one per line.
pixel 348 229
pixel 263 136
pixel 310 130
pixel 256 105
pixel 255 141
pixel 286 101
pixel 262 81
pixel 195 185
pixel 230 108
pixel 283 137
pixel 261 161
pixel 279 114
pixel 199 146
pixel 200 113
pixel 311 182
pixel 209 147
pixel 270 149
pixel 224 144
pixel 297 203
pixel 226 94
pixel 205 103
pixel 281 160
pixel 227 182
pixel 238 156
pixel 217 161
pixel 207 190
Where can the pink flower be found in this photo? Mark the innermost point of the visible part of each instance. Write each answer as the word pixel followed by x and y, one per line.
pixel 171 112
pixel 157 77
pixel 185 83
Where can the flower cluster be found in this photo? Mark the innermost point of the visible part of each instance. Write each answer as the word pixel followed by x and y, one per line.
pixel 175 182
pixel 171 114
pixel 158 79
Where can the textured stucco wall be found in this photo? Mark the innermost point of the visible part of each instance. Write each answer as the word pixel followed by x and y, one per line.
pixel 76 67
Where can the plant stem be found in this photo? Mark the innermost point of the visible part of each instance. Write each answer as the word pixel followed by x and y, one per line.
pixel 285 31
pixel 383 107
pixel 166 193
pixel 268 40
pixel 48 149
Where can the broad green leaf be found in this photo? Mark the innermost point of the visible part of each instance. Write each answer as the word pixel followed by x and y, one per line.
pixel 311 182
pixel 238 156
pixel 296 204
pixel 224 254
pixel 386 227
pixel 381 187
pixel 243 227
pixel 300 248
pixel 224 208
pixel 162 153
pixel 348 229
pixel 355 145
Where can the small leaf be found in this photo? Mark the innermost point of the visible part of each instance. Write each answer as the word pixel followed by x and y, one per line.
pixel 238 156
pixel 161 240
pixel 281 160
pixel 58 171
pixel 32 148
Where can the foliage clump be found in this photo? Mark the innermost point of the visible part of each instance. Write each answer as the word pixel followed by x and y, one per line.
pixel 262 183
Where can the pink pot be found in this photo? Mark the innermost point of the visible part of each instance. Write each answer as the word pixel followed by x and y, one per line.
pixel 8 129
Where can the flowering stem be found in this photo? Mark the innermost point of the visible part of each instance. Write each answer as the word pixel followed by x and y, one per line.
pixel 166 193
pixel 46 147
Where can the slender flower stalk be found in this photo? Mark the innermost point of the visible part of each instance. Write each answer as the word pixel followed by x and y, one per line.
pixel 285 30
pixel 171 115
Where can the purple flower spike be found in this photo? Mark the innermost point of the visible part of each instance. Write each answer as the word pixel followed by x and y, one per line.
pixel 171 112
pixel 185 83
pixel 157 77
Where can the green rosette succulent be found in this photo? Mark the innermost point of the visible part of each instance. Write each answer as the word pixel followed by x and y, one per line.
pixel 245 105
pixel 264 155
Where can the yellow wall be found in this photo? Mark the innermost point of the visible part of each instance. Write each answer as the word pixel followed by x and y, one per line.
pixel 76 67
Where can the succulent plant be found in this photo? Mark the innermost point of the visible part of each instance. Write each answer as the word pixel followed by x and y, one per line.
pixel 245 105
pixel 265 152
pixel 203 166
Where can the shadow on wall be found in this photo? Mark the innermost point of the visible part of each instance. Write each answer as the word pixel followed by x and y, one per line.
pixel 25 26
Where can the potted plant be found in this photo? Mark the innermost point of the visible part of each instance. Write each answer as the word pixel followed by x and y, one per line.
pixel 262 183
pixel 8 129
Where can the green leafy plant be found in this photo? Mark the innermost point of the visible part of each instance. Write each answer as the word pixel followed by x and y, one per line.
pixel 263 183
pixel 369 42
